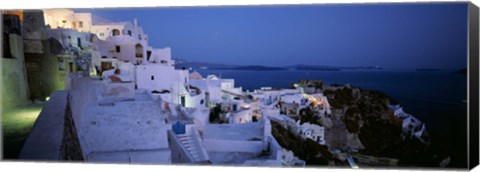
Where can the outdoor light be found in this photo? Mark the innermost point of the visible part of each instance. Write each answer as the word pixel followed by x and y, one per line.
pixel 46 99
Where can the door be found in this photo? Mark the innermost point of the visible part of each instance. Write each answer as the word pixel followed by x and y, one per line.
pixel 79 42
pixel 207 99
pixel 182 100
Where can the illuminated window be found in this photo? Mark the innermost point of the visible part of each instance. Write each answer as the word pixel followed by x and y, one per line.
pixel 138 51
pixel 80 24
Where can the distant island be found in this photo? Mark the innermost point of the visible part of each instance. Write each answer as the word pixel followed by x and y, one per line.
pixel 455 71
pixel 181 63
pixel 252 67
pixel 428 70
pixel 461 71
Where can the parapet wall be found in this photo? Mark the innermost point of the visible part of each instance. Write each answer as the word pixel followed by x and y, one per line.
pixel 218 145
pixel 45 139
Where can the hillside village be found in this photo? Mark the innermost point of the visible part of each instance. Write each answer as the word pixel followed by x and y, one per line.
pixel 111 97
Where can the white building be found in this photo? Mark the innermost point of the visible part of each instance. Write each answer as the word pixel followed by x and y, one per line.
pixel 410 125
pixel 269 96
pixel 67 19
pixel 300 99
pixel 129 41
pixel 320 101
pixel 313 132
pixel 128 121
pixel 160 55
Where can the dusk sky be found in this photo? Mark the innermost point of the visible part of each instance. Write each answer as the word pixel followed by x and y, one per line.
pixel 430 35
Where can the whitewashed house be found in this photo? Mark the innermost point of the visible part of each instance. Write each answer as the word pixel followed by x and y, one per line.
pixel 160 55
pixel 172 85
pixel 129 41
pixel 313 132
pixel 68 19
pixel 216 90
pixel 410 125
pixel 299 99
pixel 320 101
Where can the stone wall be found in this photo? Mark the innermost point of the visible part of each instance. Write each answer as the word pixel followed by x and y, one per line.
pixel 44 75
pixel 70 149
pixel 15 86
pixel 42 66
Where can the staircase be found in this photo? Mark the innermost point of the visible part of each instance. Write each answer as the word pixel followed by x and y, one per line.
pixel 189 143
pixel 193 147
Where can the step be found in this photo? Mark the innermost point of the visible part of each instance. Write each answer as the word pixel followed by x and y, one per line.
pixel 187 141
pixel 191 149
pixel 185 138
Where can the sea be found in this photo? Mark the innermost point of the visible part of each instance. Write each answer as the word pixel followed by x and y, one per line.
pixel 437 98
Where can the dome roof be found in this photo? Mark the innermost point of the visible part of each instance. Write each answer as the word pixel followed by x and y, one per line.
pixel 212 77
pixel 195 75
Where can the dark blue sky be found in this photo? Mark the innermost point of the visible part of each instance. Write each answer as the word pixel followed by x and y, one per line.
pixel 430 35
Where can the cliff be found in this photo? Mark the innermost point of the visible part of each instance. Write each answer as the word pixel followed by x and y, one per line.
pixel 366 117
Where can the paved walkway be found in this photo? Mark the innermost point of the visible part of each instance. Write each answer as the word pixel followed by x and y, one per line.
pixel 45 139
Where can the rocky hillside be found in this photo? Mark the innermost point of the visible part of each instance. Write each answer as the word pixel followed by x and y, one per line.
pixel 365 114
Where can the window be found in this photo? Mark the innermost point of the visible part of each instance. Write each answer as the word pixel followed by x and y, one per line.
pixel 117 48
pixel 106 66
pixel 70 66
pixel 115 32
pixel 130 32
pixel 64 21
pixel 102 34
pixel 79 42
pixel 61 64
pixel 80 24
pixel 104 57
pixel 140 37
pixel 152 77
pixel 114 57
pixel 149 53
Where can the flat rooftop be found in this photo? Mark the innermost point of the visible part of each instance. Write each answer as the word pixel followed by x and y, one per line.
pixel 135 124
pixel 246 131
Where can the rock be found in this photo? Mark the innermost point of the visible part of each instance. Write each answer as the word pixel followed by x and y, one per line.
pixel 444 162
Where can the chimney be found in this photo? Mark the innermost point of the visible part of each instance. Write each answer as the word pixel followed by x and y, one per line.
pixel 135 22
